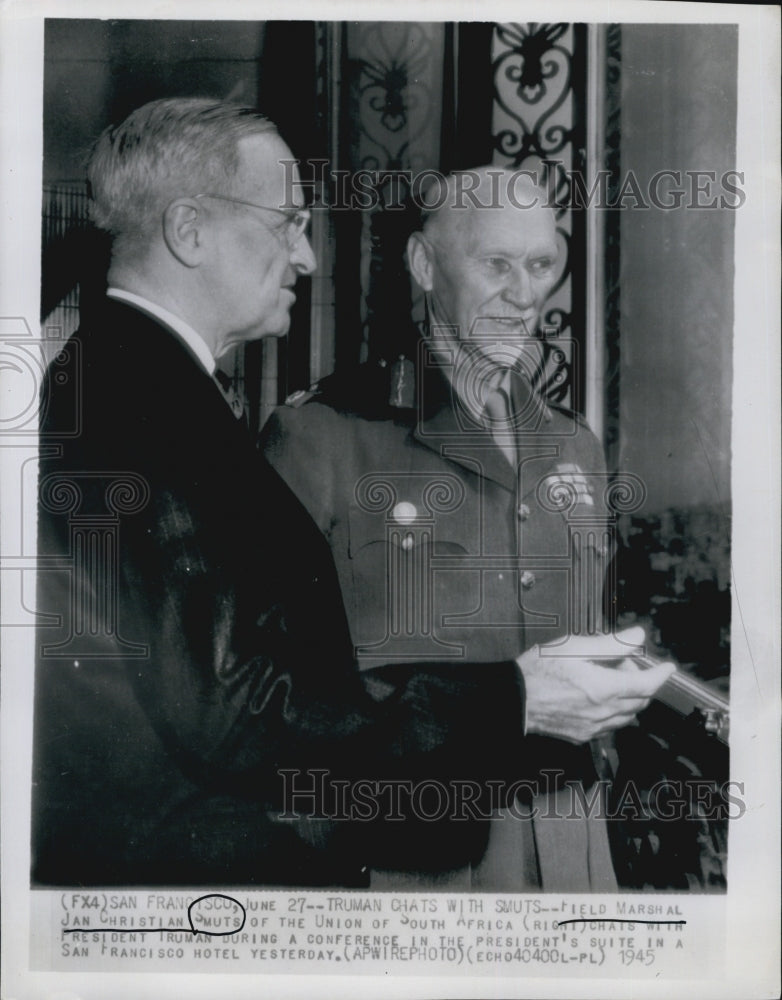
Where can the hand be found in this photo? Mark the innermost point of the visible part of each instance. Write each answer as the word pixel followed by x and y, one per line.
pixel 575 698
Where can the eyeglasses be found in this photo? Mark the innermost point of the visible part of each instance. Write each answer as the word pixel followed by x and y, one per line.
pixel 297 219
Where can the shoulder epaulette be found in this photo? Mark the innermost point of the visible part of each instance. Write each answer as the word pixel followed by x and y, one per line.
pixel 301 396
pixel 360 389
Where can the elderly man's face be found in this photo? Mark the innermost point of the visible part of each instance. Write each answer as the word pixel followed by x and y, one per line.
pixel 254 266
pixel 491 271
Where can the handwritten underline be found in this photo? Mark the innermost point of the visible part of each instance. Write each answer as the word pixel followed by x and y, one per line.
pixel 617 920
pixel 172 930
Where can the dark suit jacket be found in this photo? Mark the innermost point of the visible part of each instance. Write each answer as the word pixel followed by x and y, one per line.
pixel 203 645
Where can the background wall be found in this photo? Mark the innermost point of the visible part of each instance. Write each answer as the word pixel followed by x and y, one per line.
pixel 678 112
pixel 98 71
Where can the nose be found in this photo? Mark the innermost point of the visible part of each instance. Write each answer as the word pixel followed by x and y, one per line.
pixel 302 257
pixel 519 290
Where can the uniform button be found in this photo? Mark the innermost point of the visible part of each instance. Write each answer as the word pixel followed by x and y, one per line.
pixel 527 579
pixel 523 512
pixel 407 542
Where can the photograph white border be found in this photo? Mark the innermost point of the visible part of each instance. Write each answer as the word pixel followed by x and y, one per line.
pixel 751 907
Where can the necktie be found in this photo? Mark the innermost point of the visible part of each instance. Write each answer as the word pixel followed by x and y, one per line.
pixel 500 423
pixel 229 391
pixel 529 408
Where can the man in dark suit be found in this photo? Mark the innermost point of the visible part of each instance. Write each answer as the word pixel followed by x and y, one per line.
pixel 194 651
pixel 468 521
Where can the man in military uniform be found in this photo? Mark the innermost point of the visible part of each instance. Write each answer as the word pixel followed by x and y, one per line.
pixel 470 522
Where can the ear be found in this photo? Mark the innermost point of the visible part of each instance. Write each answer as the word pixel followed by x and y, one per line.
pixel 183 222
pixel 420 260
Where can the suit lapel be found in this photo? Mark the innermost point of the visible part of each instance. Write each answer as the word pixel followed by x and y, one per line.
pixel 161 352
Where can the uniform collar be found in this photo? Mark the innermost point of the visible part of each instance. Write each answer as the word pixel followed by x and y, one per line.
pixel 448 428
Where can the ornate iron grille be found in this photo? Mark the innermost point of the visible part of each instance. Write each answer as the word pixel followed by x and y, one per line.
pixel 539 124
pixel 395 110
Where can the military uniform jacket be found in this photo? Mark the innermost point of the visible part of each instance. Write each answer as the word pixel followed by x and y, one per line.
pixel 443 549
pixel 193 643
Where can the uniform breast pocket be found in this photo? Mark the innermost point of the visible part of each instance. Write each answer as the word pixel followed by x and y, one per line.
pixel 398 568
pixel 564 545
pixel 370 567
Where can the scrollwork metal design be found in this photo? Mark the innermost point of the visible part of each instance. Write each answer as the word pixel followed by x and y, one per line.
pixel 553 377
pixel 533 61
pixel 538 78
pixel 393 100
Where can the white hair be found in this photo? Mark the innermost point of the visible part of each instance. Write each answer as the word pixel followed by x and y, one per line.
pixel 164 149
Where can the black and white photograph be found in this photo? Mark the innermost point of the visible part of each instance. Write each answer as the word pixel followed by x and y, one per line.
pixel 391 506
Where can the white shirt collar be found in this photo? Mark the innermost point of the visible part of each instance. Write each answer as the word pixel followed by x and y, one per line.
pixel 183 330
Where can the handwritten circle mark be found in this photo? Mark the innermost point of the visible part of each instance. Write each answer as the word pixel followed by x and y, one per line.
pixel 215 895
